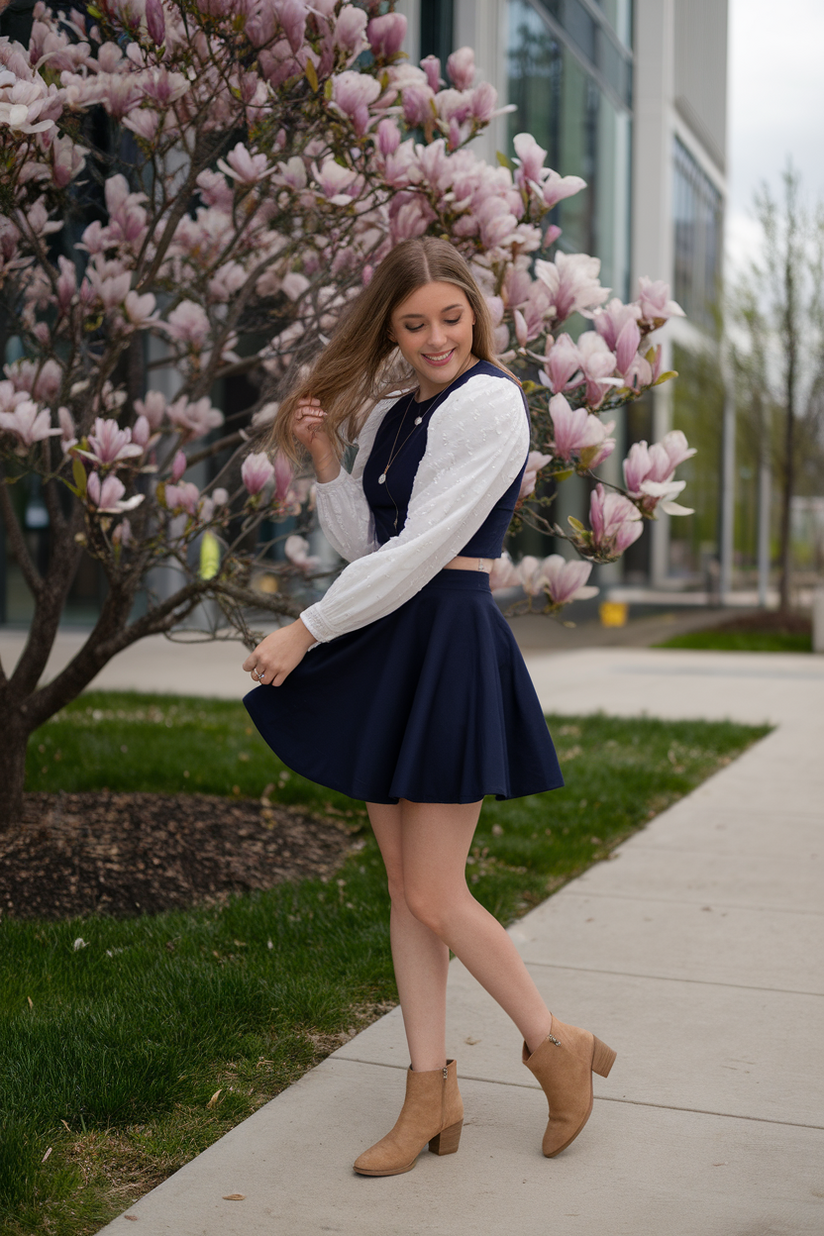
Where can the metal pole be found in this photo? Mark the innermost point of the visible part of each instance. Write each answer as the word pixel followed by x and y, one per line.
pixel 727 546
pixel 764 511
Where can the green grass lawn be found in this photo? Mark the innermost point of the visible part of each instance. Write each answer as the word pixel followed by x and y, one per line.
pixel 123 1057
pixel 720 640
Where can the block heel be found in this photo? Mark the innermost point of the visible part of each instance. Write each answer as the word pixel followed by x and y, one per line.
pixel 432 1112
pixel 563 1065
pixel 603 1058
pixel 448 1140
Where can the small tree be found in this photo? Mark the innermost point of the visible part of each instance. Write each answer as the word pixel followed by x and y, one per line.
pixel 777 313
pixel 247 166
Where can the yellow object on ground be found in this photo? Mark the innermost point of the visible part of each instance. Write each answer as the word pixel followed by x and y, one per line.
pixel 613 613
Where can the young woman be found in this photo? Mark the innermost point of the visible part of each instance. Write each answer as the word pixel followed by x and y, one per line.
pixel 415 697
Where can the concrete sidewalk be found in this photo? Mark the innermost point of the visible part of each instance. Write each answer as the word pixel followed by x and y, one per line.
pixel 696 953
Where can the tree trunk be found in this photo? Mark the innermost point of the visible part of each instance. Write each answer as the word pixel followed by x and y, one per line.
pixel 12 773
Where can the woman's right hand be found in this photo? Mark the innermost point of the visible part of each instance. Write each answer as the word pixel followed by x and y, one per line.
pixel 308 426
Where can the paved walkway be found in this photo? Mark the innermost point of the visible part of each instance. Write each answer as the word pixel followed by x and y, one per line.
pixel 696 953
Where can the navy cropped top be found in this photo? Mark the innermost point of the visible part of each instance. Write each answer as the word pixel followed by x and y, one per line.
pixel 400 443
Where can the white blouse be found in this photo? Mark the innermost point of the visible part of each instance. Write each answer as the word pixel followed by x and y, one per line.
pixel 477 442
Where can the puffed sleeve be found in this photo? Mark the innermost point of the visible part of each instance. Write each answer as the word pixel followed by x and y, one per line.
pixel 342 508
pixel 477 442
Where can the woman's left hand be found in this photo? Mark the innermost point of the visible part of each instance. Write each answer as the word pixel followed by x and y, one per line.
pixel 276 656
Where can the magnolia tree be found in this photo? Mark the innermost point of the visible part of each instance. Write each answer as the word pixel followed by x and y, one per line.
pixel 195 190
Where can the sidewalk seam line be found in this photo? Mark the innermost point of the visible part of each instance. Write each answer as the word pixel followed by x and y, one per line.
pixel 600 1098
pixel 671 901
pixel 668 978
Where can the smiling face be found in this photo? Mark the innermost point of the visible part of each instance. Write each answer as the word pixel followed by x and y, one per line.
pixel 433 329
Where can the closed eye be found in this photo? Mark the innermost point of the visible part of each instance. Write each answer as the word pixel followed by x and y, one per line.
pixel 447 322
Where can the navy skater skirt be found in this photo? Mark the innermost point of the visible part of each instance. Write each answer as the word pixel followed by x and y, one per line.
pixel 432 703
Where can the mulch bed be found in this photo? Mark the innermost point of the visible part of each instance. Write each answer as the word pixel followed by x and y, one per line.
pixel 127 854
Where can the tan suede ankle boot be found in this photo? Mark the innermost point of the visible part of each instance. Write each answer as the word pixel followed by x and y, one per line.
pixel 432 1112
pixel 564 1064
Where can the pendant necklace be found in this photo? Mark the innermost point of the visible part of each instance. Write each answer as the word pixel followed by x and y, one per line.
pixel 393 454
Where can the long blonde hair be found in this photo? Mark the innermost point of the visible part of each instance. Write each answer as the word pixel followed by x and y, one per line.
pixel 360 365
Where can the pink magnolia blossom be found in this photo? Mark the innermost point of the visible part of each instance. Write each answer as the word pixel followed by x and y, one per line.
pixel 296 549
pixel 556 188
pixel 654 303
pixel 244 167
pixel 648 473
pixel 21 105
pixel 27 423
pixel 597 366
pixel 579 433
pixel 42 379
pixel 284 476
pixel 11 394
pixel 292 16
pixel 256 472
pixel 189 324
pixel 334 180
pixel 214 190
pixel 140 310
pixel 616 522
pixel 37 219
pixel 417 105
pixel 153 407
pixel 194 420
pixel 387 136
pixel 350 30
pixel 107 496
pixel 461 68
pixel 352 95
pixel 179 464
pixel 111 289
pixel 183 497
pixel 68 432
pixel 677 448
pixel 68 160
pixel 142 433
pixel 503 574
pixel 610 320
pixel 662 493
pixel 484 103
pixel 127 216
pixel 562 365
pixel 530 576
pixel 66 282
pixel 410 217
pixel 386 35
pixel 110 444
pixel 529 158
pixel 567 581
pixel 572 281
pixel 626 347
pixel 534 462
pixel 156 21
pixel 431 66
pixel 122 534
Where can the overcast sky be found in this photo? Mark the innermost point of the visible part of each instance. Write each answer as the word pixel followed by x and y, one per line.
pixel 776 97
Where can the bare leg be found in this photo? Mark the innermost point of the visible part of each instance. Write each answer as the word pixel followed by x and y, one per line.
pixel 420 959
pixel 424 847
pixel 435 840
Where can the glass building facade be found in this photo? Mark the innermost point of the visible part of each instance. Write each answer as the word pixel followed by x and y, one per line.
pixel 698 222
pixel 569 73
